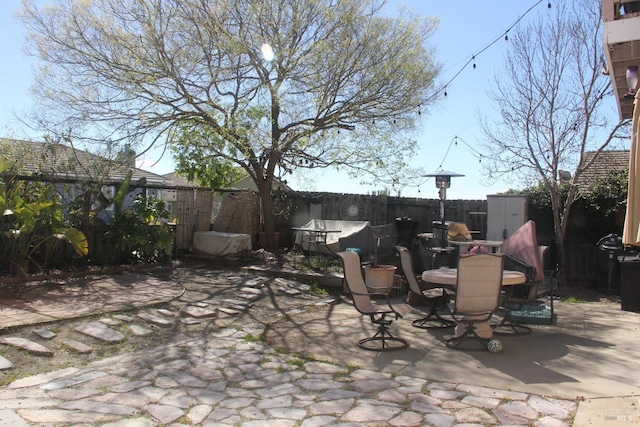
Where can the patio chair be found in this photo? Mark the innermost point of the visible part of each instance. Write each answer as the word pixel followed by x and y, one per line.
pixel 432 295
pixel 477 296
pixel 381 312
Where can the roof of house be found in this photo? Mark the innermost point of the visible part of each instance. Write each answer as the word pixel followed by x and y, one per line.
pixel 606 162
pixel 247 183
pixel 244 183
pixel 180 180
pixel 54 161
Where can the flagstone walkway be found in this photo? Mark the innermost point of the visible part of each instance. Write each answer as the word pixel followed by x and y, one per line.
pixel 227 377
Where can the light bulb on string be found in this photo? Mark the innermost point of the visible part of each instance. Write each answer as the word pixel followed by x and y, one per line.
pixel 506 39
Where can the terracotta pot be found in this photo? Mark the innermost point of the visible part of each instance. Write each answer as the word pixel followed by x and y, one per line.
pixel 380 276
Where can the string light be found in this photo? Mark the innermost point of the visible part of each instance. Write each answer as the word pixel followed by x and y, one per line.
pixel 454 141
pixel 472 60
pixel 443 88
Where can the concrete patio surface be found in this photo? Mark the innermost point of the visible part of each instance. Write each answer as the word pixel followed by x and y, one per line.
pixel 590 354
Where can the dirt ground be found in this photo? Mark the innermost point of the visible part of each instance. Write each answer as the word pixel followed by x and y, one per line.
pixel 202 283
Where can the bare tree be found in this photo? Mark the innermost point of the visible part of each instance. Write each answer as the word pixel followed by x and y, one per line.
pixel 277 84
pixel 551 104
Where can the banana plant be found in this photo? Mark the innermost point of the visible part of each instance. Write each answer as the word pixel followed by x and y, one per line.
pixel 118 200
pixel 33 228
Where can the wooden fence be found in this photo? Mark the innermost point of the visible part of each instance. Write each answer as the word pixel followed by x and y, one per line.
pixel 296 209
pixel 583 264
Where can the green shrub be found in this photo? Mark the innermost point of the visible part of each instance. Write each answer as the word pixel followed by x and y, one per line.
pixel 598 212
pixel 142 233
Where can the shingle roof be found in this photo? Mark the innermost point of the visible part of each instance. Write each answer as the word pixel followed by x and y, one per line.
pixel 54 161
pixel 606 162
pixel 180 180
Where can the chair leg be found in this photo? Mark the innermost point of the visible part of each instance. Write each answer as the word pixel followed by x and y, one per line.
pixel 509 322
pixel 470 332
pixel 433 319
pixel 383 340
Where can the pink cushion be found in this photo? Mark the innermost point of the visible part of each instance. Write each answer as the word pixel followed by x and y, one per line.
pixel 523 245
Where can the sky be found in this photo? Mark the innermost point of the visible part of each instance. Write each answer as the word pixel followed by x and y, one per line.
pixel 466 27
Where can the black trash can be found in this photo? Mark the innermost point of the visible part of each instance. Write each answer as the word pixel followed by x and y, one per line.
pixel 406 229
pixel 609 248
pixel 630 282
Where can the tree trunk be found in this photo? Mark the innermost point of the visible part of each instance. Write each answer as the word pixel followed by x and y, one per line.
pixel 561 258
pixel 559 226
pixel 86 211
pixel 561 223
pixel 268 222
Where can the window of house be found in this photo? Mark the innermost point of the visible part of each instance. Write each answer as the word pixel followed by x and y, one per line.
pixel 628 8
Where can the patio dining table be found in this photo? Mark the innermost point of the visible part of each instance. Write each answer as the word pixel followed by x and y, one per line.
pixel 449 277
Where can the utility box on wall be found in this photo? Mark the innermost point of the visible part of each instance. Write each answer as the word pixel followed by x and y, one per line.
pixel 505 214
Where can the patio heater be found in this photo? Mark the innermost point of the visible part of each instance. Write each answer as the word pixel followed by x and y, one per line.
pixel 443 181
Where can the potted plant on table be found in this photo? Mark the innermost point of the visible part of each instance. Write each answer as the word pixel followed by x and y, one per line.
pixel 379 277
